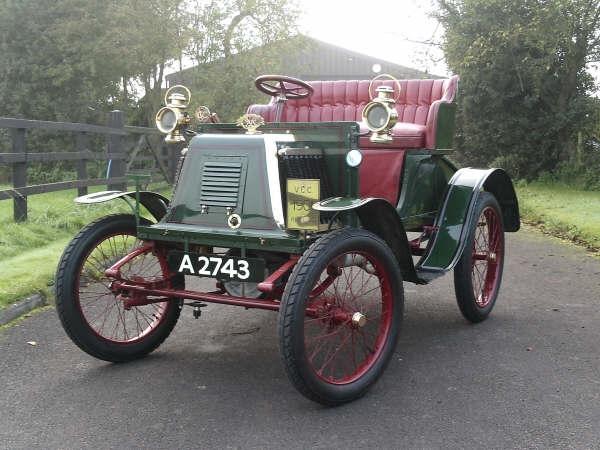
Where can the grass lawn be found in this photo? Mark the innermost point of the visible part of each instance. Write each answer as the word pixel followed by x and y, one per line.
pixel 563 211
pixel 29 252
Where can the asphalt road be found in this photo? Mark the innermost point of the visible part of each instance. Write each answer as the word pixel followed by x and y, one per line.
pixel 529 377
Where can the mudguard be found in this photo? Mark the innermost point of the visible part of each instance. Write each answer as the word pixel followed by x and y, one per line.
pixel 456 216
pixel 155 203
pixel 378 216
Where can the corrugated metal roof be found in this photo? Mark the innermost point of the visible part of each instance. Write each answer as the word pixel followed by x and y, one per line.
pixel 317 60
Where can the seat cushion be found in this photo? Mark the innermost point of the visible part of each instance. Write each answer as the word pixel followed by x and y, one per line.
pixel 404 135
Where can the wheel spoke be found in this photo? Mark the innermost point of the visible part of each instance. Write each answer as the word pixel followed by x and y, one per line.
pixel 487 250
pixel 111 321
pixel 338 349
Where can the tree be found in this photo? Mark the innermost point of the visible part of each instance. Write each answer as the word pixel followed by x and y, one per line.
pixel 233 41
pixel 151 36
pixel 524 85
pixel 207 32
pixel 53 67
pixel 231 80
pixel 73 59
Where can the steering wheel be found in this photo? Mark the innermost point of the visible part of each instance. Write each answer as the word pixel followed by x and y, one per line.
pixel 283 87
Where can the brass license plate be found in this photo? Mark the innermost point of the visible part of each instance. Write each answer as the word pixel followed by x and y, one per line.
pixel 301 195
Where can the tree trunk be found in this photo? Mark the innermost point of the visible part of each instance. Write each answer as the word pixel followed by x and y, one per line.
pixel 230 29
pixel 125 94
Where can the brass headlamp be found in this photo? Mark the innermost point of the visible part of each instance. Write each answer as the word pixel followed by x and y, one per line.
pixel 171 118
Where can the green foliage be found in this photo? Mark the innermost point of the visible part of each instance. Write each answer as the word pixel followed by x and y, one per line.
pixel 231 80
pixel 255 31
pixel 207 31
pixel 75 60
pixel 582 174
pixel 524 89
pixel 53 67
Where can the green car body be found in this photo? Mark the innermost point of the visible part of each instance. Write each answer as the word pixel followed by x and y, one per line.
pixel 281 220
pixel 434 194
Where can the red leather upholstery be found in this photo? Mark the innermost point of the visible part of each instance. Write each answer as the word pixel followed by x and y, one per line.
pixel 380 173
pixel 417 104
pixel 417 107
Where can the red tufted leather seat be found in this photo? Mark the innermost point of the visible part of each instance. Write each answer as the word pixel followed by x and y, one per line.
pixel 381 169
pixel 341 100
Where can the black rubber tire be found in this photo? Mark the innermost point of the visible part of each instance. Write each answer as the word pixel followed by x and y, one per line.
pixel 292 312
pixel 463 272
pixel 68 308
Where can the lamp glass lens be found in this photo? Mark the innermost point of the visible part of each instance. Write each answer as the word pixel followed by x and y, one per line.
pixel 377 117
pixel 168 120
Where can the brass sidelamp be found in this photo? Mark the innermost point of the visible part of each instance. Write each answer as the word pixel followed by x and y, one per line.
pixel 380 113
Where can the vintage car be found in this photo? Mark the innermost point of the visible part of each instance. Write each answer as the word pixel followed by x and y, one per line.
pixel 318 205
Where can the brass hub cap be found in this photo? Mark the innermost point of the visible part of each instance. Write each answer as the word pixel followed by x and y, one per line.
pixel 359 320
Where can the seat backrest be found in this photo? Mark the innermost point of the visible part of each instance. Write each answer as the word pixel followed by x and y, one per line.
pixel 346 99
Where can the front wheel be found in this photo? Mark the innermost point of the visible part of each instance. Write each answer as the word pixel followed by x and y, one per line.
pixel 340 316
pixel 478 274
pixel 92 315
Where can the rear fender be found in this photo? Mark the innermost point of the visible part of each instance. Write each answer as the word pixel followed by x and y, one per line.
pixel 381 218
pixel 155 203
pixel 457 216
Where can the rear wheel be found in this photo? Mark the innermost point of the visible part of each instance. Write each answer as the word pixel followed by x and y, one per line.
pixel 478 274
pixel 340 316
pixel 92 315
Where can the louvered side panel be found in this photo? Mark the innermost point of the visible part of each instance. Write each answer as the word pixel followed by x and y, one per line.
pixel 220 183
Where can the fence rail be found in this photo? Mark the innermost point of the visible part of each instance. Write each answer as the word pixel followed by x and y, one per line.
pixel 120 158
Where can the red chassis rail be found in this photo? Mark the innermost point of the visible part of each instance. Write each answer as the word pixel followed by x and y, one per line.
pixel 138 293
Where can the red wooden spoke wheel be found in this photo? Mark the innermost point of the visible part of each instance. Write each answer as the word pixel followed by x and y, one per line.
pixel 102 320
pixel 340 316
pixel 107 314
pixel 478 274
pixel 350 320
pixel 487 253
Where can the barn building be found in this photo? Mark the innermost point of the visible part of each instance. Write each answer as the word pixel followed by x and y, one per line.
pixel 312 59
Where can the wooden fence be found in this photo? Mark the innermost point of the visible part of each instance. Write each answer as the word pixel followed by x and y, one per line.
pixel 119 156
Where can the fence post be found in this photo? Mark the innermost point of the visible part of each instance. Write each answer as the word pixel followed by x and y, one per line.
pixel 19 175
pixel 116 152
pixel 82 142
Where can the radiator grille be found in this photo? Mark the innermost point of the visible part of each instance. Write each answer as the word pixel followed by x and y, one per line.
pixel 220 183
pixel 306 167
